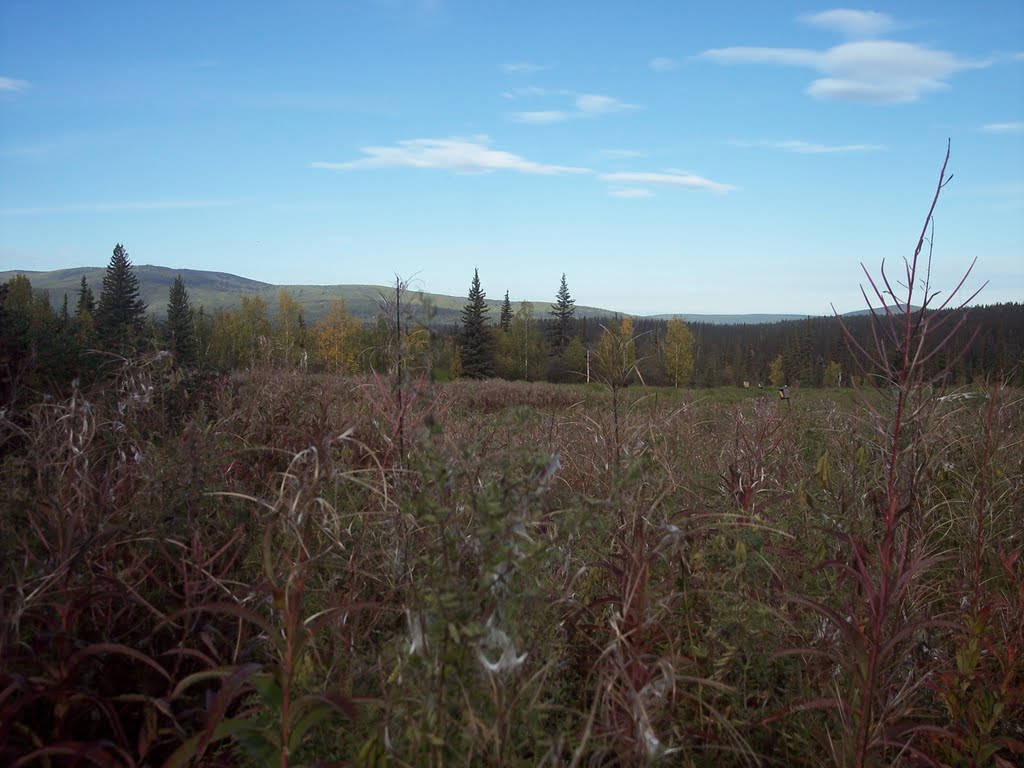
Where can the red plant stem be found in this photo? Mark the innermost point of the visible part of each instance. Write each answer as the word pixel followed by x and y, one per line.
pixel 904 380
pixel 979 511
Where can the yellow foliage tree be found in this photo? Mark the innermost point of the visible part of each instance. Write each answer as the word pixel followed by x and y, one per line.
pixel 678 350
pixel 338 340
pixel 240 337
pixel 833 376
pixel 290 332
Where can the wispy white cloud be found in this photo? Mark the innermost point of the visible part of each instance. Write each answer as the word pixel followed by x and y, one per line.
pixel 1003 128
pixel 584 105
pixel 663 64
pixel 796 57
pixel 872 71
pixel 593 104
pixel 851 23
pixel 812 148
pixel 671 179
pixel 630 192
pixel 524 67
pixel 12 85
pixel 541 117
pixel 132 205
pixel 459 155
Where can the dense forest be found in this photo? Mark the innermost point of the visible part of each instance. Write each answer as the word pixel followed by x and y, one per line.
pixel 44 349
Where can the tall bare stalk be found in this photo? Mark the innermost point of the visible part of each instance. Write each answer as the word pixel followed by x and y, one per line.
pixel 884 569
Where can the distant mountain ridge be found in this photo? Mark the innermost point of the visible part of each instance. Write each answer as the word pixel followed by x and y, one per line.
pixel 222 290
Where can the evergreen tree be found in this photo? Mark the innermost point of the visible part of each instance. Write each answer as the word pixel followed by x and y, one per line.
pixel 477 349
pixel 506 314
pixel 84 328
pixel 41 353
pixel 86 302
pixel 181 331
pixel 121 314
pixel 562 310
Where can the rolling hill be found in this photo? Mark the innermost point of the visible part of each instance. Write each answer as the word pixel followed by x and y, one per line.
pixel 220 290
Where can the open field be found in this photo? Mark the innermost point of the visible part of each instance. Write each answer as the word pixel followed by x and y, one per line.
pixel 283 569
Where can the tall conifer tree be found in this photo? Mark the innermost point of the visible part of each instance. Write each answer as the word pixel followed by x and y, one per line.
pixel 477 345
pixel 562 310
pixel 181 331
pixel 506 314
pixel 121 313
pixel 86 302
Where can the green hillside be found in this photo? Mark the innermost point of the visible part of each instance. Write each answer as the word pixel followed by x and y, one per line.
pixel 219 290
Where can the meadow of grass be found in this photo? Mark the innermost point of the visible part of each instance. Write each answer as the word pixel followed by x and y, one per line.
pixel 285 569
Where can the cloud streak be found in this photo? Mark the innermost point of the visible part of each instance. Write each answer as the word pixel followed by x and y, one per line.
pixel 524 68
pixel 869 71
pixel 541 117
pixel 12 85
pixel 1003 128
pixel 586 105
pixel 630 192
pixel 851 23
pixel 133 205
pixel 458 155
pixel 474 155
pixel 593 104
pixel 671 179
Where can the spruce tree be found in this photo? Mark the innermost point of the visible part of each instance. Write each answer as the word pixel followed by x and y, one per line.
pixel 506 314
pixel 86 302
pixel 121 314
pixel 562 310
pixel 477 348
pixel 181 331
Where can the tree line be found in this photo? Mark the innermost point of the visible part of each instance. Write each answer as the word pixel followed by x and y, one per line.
pixel 43 349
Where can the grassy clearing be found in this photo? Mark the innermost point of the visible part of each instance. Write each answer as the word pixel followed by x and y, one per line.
pixel 284 569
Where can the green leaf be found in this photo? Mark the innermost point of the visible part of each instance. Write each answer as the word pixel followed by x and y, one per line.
pixel 188 749
pixel 267 687
pixel 316 714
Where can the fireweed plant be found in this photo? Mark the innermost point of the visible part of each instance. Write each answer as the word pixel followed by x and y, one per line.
pixel 879 643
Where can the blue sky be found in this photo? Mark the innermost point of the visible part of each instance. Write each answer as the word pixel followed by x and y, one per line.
pixel 667 156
